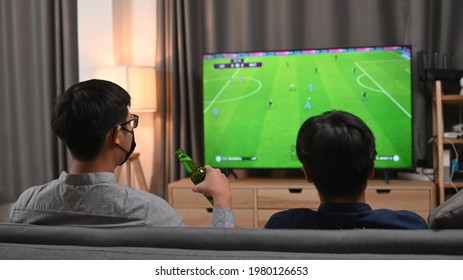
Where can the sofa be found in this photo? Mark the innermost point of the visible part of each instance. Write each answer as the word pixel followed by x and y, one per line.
pixel 22 241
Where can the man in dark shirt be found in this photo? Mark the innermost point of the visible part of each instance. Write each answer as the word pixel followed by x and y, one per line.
pixel 337 151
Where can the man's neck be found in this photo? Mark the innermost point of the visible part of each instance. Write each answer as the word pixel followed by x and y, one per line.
pixel 346 199
pixel 79 167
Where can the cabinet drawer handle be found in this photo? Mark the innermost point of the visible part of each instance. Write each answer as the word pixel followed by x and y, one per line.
pixel 383 191
pixel 295 190
pixel 209 210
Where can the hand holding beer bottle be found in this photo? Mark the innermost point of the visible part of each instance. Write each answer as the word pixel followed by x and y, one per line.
pixel 196 172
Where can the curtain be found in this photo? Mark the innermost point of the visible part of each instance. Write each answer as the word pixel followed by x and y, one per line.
pixel 171 122
pixel 38 54
pixel 188 28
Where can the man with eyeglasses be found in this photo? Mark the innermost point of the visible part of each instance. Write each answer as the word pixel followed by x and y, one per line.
pixel 92 118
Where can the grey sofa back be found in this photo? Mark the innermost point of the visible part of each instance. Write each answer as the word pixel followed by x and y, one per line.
pixel 19 241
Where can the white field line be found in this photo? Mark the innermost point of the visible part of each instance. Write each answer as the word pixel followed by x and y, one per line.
pixel 385 92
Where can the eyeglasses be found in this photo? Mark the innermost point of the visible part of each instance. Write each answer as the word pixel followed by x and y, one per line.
pixel 133 122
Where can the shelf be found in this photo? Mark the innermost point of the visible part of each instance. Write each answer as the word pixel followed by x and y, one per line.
pixel 452 98
pixel 453 141
pixel 449 185
pixel 439 99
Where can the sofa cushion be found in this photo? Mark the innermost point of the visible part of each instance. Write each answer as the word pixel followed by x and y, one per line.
pixel 448 215
pixel 11 251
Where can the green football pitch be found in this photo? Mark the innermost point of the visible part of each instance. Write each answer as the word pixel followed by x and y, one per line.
pixel 252 115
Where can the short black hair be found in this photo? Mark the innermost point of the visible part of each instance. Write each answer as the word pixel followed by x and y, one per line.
pixel 337 150
pixel 84 114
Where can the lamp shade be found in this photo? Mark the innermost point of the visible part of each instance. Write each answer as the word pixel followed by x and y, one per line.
pixel 138 81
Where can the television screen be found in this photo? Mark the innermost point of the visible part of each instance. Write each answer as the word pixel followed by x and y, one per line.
pixel 255 102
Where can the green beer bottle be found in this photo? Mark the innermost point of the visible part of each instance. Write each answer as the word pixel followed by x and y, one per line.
pixel 196 172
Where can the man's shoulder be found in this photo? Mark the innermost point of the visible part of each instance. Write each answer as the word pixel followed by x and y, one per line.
pixel 33 190
pixel 292 218
pixel 100 190
pixel 400 218
pixel 298 211
pixel 396 213
pixel 131 192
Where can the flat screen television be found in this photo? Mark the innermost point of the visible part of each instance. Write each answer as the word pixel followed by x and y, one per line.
pixel 255 102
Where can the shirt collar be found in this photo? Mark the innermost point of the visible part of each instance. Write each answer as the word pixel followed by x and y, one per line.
pixel 344 207
pixel 87 178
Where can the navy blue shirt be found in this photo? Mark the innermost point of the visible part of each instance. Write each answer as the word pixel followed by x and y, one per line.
pixel 345 216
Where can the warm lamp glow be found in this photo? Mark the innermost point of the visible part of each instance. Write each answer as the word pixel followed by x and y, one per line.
pixel 138 81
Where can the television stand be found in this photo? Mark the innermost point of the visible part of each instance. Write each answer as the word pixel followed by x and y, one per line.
pixel 386 177
pixel 255 200
pixel 228 172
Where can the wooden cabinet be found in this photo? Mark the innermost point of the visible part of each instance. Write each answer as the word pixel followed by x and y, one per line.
pixel 256 199
pixel 275 198
pixel 415 196
pixel 196 209
pixel 439 99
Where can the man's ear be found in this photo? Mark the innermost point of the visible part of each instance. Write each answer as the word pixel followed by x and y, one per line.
pixel 115 135
pixel 372 173
pixel 306 176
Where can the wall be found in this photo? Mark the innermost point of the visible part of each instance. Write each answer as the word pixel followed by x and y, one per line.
pixel 112 32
